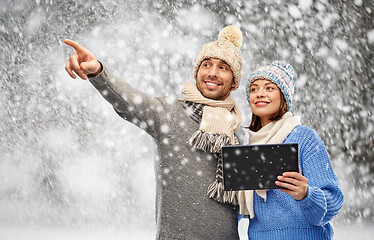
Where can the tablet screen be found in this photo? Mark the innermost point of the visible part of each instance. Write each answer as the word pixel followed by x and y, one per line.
pixel 253 167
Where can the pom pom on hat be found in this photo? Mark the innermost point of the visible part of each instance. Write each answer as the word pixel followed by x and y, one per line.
pixel 227 49
pixel 279 72
pixel 233 34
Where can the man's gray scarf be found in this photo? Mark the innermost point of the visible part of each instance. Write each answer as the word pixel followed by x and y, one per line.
pixel 214 144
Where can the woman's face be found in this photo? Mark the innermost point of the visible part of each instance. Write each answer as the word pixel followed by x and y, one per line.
pixel 265 99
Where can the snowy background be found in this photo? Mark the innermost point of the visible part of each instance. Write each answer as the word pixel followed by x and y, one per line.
pixel 70 168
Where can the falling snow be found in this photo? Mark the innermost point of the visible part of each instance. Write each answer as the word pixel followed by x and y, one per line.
pixel 69 161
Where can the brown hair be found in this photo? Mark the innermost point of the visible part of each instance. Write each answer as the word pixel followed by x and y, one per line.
pixel 256 123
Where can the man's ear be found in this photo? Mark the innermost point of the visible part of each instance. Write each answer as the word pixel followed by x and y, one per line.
pixel 233 84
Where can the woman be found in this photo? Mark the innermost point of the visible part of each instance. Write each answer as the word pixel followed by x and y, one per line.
pixel 309 200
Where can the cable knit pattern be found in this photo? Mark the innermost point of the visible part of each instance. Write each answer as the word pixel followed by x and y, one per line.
pixel 283 217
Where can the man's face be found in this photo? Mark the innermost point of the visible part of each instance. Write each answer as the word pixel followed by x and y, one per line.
pixel 215 79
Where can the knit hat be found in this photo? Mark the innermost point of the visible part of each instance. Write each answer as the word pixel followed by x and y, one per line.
pixel 279 72
pixel 227 49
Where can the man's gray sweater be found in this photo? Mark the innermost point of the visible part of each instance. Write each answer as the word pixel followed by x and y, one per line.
pixel 183 174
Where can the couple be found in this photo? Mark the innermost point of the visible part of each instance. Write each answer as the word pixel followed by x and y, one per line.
pixel 189 133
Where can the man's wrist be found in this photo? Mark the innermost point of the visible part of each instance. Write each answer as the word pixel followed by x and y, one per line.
pixel 98 72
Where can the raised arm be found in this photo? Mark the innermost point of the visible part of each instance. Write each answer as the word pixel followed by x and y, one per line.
pixel 131 104
pixel 82 62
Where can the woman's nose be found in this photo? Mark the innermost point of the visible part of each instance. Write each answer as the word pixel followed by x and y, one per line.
pixel 261 92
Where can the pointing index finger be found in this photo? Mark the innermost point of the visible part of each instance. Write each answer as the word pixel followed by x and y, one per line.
pixel 74 45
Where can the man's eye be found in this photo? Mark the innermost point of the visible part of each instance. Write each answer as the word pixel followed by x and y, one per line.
pixel 253 89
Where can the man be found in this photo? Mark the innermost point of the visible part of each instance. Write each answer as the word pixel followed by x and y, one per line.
pixel 190 200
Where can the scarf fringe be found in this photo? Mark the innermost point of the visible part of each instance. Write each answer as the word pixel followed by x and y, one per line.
pixel 209 142
pixel 216 192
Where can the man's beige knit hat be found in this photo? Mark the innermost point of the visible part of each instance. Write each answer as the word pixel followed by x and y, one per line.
pixel 226 48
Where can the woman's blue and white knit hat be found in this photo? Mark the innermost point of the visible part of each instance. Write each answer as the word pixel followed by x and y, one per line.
pixel 279 72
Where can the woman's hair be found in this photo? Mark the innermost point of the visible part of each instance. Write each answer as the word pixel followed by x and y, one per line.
pixel 256 123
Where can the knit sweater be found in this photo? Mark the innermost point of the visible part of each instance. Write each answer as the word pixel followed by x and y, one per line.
pixel 283 217
pixel 183 174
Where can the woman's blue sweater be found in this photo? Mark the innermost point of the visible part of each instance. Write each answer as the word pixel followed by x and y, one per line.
pixel 283 217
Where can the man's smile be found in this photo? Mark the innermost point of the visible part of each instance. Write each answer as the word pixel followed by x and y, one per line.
pixel 211 84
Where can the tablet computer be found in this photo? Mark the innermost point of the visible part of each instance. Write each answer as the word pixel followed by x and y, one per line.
pixel 253 167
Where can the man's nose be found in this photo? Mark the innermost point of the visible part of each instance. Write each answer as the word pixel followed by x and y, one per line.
pixel 213 71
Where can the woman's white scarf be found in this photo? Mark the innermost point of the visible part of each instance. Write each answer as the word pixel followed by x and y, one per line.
pixel 273 133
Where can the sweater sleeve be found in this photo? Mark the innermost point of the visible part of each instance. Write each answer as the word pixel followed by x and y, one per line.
pixel 129 103
pixel 324 198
